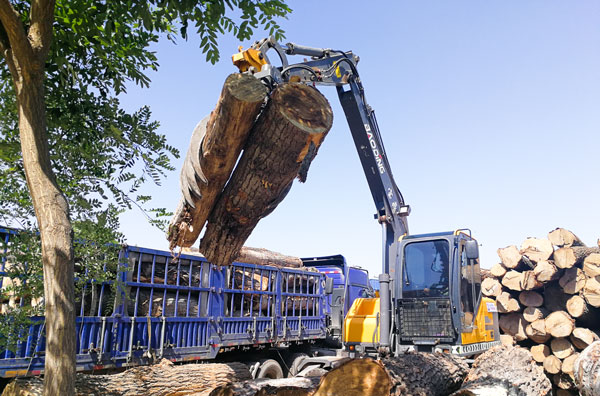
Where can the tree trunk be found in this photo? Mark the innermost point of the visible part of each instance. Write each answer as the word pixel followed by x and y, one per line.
pixel 546 271
pixel 510 256
pixel 297 386
pixel 513 280
pixel 561 348
pixel 505 371
pixel 531 298
pixel 567 257
pixel 537 249
pixel 587 370
pixel 260 256
pixel 162 379
pixel 52 213
pixel 591 265
pixel 561 237
pixel 572 281
pixel 214 148
pixel 280 147
pixel 559 324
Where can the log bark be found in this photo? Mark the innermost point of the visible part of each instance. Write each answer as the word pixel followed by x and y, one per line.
pixel 280 147
pixel 513 280
pixel 297 386
pixel 561 237
pixel 540 352
pixel 162 379
pixel 591 265
pixel 586 370
pixel 260 256
pixel 568 257
pixel 537 249
pixel 531 299
pixel 514 324
pixel 498 270
pixel 582 337
pixel 491 287
pixel 559 324
pixel 545 271
pixel 561 348
pixel 510 256
pixel 215 146
pixel 506 303
pixel 506 371
pixel 572 281
pixel 536 331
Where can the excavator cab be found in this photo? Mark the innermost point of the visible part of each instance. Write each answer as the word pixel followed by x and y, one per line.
pixel 437 303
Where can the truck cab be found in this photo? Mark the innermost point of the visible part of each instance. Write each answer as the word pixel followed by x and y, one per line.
pixel 349 284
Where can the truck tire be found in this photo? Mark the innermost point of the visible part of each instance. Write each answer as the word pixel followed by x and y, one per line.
pixel 269 368
pixel 293 361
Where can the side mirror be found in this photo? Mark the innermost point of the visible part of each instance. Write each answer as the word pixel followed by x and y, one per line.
pixel 472 250
pixel 328 285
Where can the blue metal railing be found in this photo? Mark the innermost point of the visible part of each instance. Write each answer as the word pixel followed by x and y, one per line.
pixel 181 308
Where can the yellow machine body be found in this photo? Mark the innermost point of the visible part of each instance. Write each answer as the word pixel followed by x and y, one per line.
pixel 485 324
pixel 361 325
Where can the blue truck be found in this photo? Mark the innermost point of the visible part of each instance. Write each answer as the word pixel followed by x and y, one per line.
pixel 184 308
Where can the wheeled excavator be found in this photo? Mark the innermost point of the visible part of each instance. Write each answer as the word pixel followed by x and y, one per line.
pixel 430 286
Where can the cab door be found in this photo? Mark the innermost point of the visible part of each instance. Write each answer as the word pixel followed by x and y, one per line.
pixel 470 288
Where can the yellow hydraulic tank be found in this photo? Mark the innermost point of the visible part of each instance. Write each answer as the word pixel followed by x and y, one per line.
pixel 362 322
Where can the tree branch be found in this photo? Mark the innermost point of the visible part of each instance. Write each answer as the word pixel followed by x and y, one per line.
pixel 15 31
pixel 40 31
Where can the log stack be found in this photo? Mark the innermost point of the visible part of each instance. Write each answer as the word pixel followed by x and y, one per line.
pixel 548 297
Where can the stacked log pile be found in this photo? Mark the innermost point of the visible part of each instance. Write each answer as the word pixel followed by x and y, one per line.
pixel 548 297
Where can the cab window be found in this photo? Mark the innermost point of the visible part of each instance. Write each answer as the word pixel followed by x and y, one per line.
pixel 426 269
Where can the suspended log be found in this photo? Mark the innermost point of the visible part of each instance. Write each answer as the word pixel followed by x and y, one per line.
pixel 513 280
pixel 561 348
pixel 531 298
pixel 506 303
pixel 552 364
pixel 572 281
pixel 164 378
pixel 510 256
pixel 506 371
pixel 582 337
pixel 567 257
pixel 561 237
pixel 536 249
pixel 514 324
pixel 587 370
pixel 260 256
pixel 540 352
pixel 531 314
pixel 559 324
pixel 536 331
pixel 215 146
pixel 281 146
pixel 545 271
pixel 498 270
pixel 491 287
pixel 591 265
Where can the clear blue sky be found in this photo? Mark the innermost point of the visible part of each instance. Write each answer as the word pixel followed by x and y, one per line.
pixel 489 111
